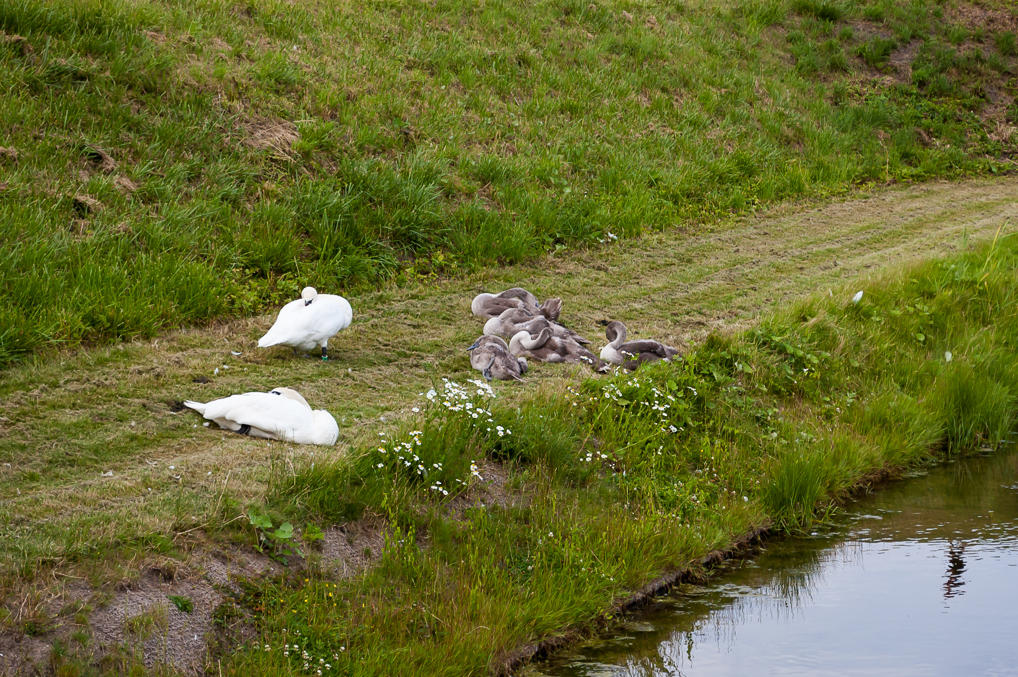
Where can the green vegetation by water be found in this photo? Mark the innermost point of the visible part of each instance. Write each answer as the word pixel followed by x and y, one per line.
pixel 164 164
pixel 619 480
pixel 938 549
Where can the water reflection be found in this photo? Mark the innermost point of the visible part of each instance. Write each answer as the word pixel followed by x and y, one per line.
pixel 955 568
pixel 919 579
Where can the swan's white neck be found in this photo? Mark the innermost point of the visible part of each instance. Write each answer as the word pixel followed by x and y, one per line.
pixel 477 305
pixel 611 354
pixel 492 327
pixel 520 342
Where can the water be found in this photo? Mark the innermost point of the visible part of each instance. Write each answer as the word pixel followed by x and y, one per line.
pixel 919 579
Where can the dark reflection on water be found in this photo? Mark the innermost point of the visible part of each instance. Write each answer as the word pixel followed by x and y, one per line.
pixel 918 579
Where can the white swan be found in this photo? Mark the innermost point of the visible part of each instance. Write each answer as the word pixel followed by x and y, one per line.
pixel 280 414
pixel 309 322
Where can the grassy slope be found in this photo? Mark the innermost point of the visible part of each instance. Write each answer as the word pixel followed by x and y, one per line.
pixel 167 163
pixel 613 483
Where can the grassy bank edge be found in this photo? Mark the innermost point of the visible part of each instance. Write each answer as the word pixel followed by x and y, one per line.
pixel 699 571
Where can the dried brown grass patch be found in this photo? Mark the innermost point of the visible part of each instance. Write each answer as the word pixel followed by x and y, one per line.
pixel 277 136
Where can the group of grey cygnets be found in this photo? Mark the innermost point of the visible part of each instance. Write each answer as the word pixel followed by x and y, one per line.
pixel 309 322
pixel 535 333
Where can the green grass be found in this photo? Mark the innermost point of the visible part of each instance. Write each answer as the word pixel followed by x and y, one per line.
pixel 66 422
pixel 256 147
pixel 617 481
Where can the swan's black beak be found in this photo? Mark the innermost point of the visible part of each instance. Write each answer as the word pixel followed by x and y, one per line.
pixel 474 344
pixel 308 302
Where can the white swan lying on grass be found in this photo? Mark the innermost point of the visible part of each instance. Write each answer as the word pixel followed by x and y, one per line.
pixel 309 322
pixel 280 414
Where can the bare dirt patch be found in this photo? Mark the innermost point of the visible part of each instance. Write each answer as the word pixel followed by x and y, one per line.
pixel 901 60
pixel 977 15
pixel 99 159
pixel 16 42
pixel 350 548
pixel 164 618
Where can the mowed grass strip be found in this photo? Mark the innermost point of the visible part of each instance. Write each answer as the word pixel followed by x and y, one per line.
pixel 163 165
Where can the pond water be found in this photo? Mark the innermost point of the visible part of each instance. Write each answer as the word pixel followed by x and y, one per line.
pixel 920 578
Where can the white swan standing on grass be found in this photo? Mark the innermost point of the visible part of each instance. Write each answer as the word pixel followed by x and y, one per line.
pixel 280 414
pixel 309 322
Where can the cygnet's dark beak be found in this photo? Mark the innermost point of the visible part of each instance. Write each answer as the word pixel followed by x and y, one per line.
pixel 474 344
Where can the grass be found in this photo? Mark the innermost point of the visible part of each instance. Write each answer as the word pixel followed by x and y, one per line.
pixel 67 422
pixel 166 165
pixel 613 482
pixel 179 489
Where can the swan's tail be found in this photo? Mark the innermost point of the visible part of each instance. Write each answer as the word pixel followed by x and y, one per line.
pixel 271 339
pixel 197 406
pixel 551 308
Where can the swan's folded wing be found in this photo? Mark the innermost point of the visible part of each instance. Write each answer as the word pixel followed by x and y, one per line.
pixel 290 320
pixel 328 317
pixel 299 324
pixel 220 408
pixel 274 414
pixel 644 346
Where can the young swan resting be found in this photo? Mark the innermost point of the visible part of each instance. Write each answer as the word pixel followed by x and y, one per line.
pixel 548 348
pixel 309 322
pixel 631 354
pixel 280 414
pixel 490 355
pixel 515 320
pixel 491 305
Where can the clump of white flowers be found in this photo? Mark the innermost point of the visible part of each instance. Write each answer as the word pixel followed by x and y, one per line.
pixel 468 401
